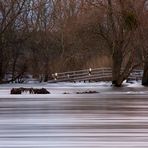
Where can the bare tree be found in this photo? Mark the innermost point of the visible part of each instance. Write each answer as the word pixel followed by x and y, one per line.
pixel 142 40
pixel 117 28
pixel 9 12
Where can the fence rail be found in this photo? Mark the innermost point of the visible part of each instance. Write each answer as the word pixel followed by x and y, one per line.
pixel 97 74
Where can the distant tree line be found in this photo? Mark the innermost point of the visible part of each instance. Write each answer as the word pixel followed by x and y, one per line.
pixel 40 37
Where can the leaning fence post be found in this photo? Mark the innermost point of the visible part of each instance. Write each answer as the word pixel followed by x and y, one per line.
pixel 55 76
pixel 89 71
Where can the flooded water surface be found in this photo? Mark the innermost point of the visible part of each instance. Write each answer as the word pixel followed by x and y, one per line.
pixel 78 121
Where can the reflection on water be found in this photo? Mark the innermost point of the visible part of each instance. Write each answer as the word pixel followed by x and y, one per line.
pixel 107 121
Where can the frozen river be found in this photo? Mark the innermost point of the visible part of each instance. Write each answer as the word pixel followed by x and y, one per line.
pixel 103 120
pixel 100 121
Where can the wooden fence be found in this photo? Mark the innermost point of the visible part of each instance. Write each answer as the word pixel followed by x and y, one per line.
pixel 91 75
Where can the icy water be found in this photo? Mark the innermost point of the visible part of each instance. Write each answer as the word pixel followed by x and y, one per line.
pixel 74 121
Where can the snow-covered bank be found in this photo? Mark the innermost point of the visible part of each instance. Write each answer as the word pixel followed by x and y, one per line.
pixel 74 88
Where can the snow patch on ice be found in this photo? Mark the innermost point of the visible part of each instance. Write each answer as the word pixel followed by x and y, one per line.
pixel 133 84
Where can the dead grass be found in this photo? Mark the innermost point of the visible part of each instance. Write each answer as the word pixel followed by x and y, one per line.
pixel 100 61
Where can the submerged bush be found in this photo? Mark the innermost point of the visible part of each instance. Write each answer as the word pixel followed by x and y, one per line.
pixel 30 90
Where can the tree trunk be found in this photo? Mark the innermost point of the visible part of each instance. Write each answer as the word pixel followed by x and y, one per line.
pixel 46 71
pixel 145 74
pixel 120 75
pixel 46 77
pixel 14 68
pixel 116 67
pixel 1 66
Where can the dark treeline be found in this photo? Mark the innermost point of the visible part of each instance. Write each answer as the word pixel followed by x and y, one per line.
pixel 40 37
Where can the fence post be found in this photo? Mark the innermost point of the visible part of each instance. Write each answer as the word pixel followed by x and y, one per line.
pixel 89 71
pixel 56 76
